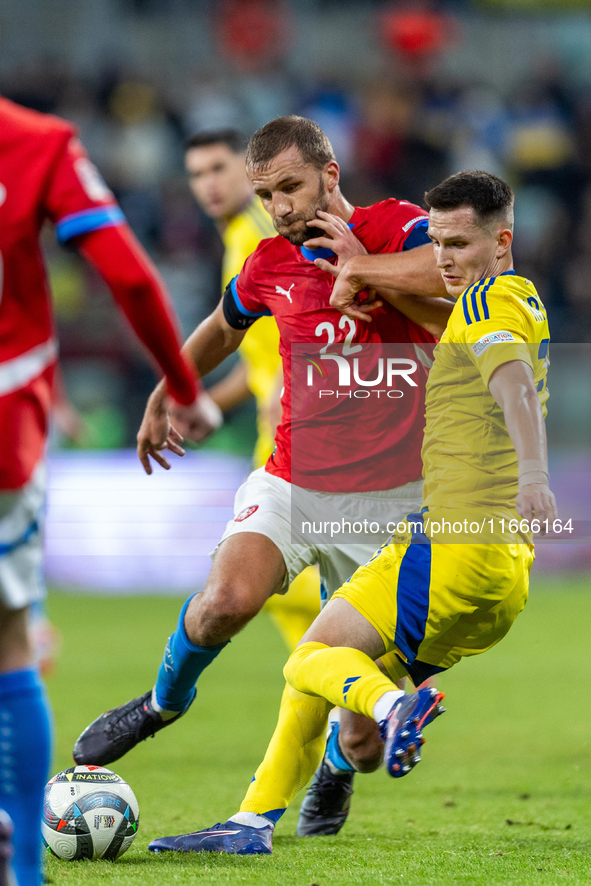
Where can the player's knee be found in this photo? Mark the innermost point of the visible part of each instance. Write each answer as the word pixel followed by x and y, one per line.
pixel 363 746
pixel 226 607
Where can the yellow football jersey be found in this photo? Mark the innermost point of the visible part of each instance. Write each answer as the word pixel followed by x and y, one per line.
pixel 260 348
pixel 469 460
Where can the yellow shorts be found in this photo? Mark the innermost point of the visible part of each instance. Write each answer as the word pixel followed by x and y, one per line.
pixel 432 604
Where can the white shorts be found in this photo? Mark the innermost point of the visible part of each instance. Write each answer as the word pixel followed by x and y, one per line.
pixel 263 504
pixel 21 542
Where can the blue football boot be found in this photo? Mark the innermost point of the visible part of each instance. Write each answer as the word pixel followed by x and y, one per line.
pixel 230 837
pixel 402 729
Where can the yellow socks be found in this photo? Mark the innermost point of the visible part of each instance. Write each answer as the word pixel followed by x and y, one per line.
pixel 293 755
pixel 321 677
pixel 346 677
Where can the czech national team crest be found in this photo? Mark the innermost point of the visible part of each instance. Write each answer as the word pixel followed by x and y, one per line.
pixel 247 512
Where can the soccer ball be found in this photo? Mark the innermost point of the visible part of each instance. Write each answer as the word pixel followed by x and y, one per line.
pixel 89 812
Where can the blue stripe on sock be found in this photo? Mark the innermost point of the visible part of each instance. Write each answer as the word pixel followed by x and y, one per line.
pixel 273 814
pixel 333 751
pixel 181 666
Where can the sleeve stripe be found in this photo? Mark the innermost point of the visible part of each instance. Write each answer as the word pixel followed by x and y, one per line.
pixel 467 316
pixel 475 310
pixel 240 306
pixel 88 220
pixel 471 291
pixel 483 298
pixel 424 219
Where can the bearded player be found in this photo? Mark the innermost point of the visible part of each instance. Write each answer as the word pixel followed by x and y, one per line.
pixel 291 165
pixel 45 174
pixel 215 165
pixel 452 584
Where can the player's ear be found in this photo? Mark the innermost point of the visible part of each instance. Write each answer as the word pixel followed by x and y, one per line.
pixel 504 241
pixel 331 175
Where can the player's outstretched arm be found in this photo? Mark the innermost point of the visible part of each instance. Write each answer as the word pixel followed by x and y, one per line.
pixel 136 286
pixel 211 342
pixel 411 272
pixel 513 387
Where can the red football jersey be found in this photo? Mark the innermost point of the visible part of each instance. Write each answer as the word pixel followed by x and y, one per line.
pixel 44 174
pixel 339 443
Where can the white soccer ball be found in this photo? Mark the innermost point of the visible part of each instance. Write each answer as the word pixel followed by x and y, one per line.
pixel 89 812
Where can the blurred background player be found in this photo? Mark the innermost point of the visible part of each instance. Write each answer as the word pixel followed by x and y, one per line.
pixel 46 175
pixel 215 164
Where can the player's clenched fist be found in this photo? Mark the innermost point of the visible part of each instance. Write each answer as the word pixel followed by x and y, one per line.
pixel 536 502
pixel 196 421
pixel 199 420
pixel 345 297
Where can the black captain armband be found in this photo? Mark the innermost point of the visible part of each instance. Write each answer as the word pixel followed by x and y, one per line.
pixel 236 315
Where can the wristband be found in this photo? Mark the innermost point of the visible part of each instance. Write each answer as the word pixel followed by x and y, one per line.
pixel 533 470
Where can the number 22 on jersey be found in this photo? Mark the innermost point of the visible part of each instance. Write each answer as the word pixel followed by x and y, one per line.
pixel 327 328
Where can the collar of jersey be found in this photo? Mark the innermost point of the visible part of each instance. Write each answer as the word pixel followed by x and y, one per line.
pixel 322 252
pixel 504 274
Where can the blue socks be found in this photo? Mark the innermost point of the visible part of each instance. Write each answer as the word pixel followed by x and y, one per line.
pixel 25 748
pixel 181 666
pixel 333 752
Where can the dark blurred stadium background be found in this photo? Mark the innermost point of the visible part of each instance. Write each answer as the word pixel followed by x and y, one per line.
pixel 407 92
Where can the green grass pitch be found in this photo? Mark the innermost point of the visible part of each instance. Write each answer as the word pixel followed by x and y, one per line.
pixel 503 794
